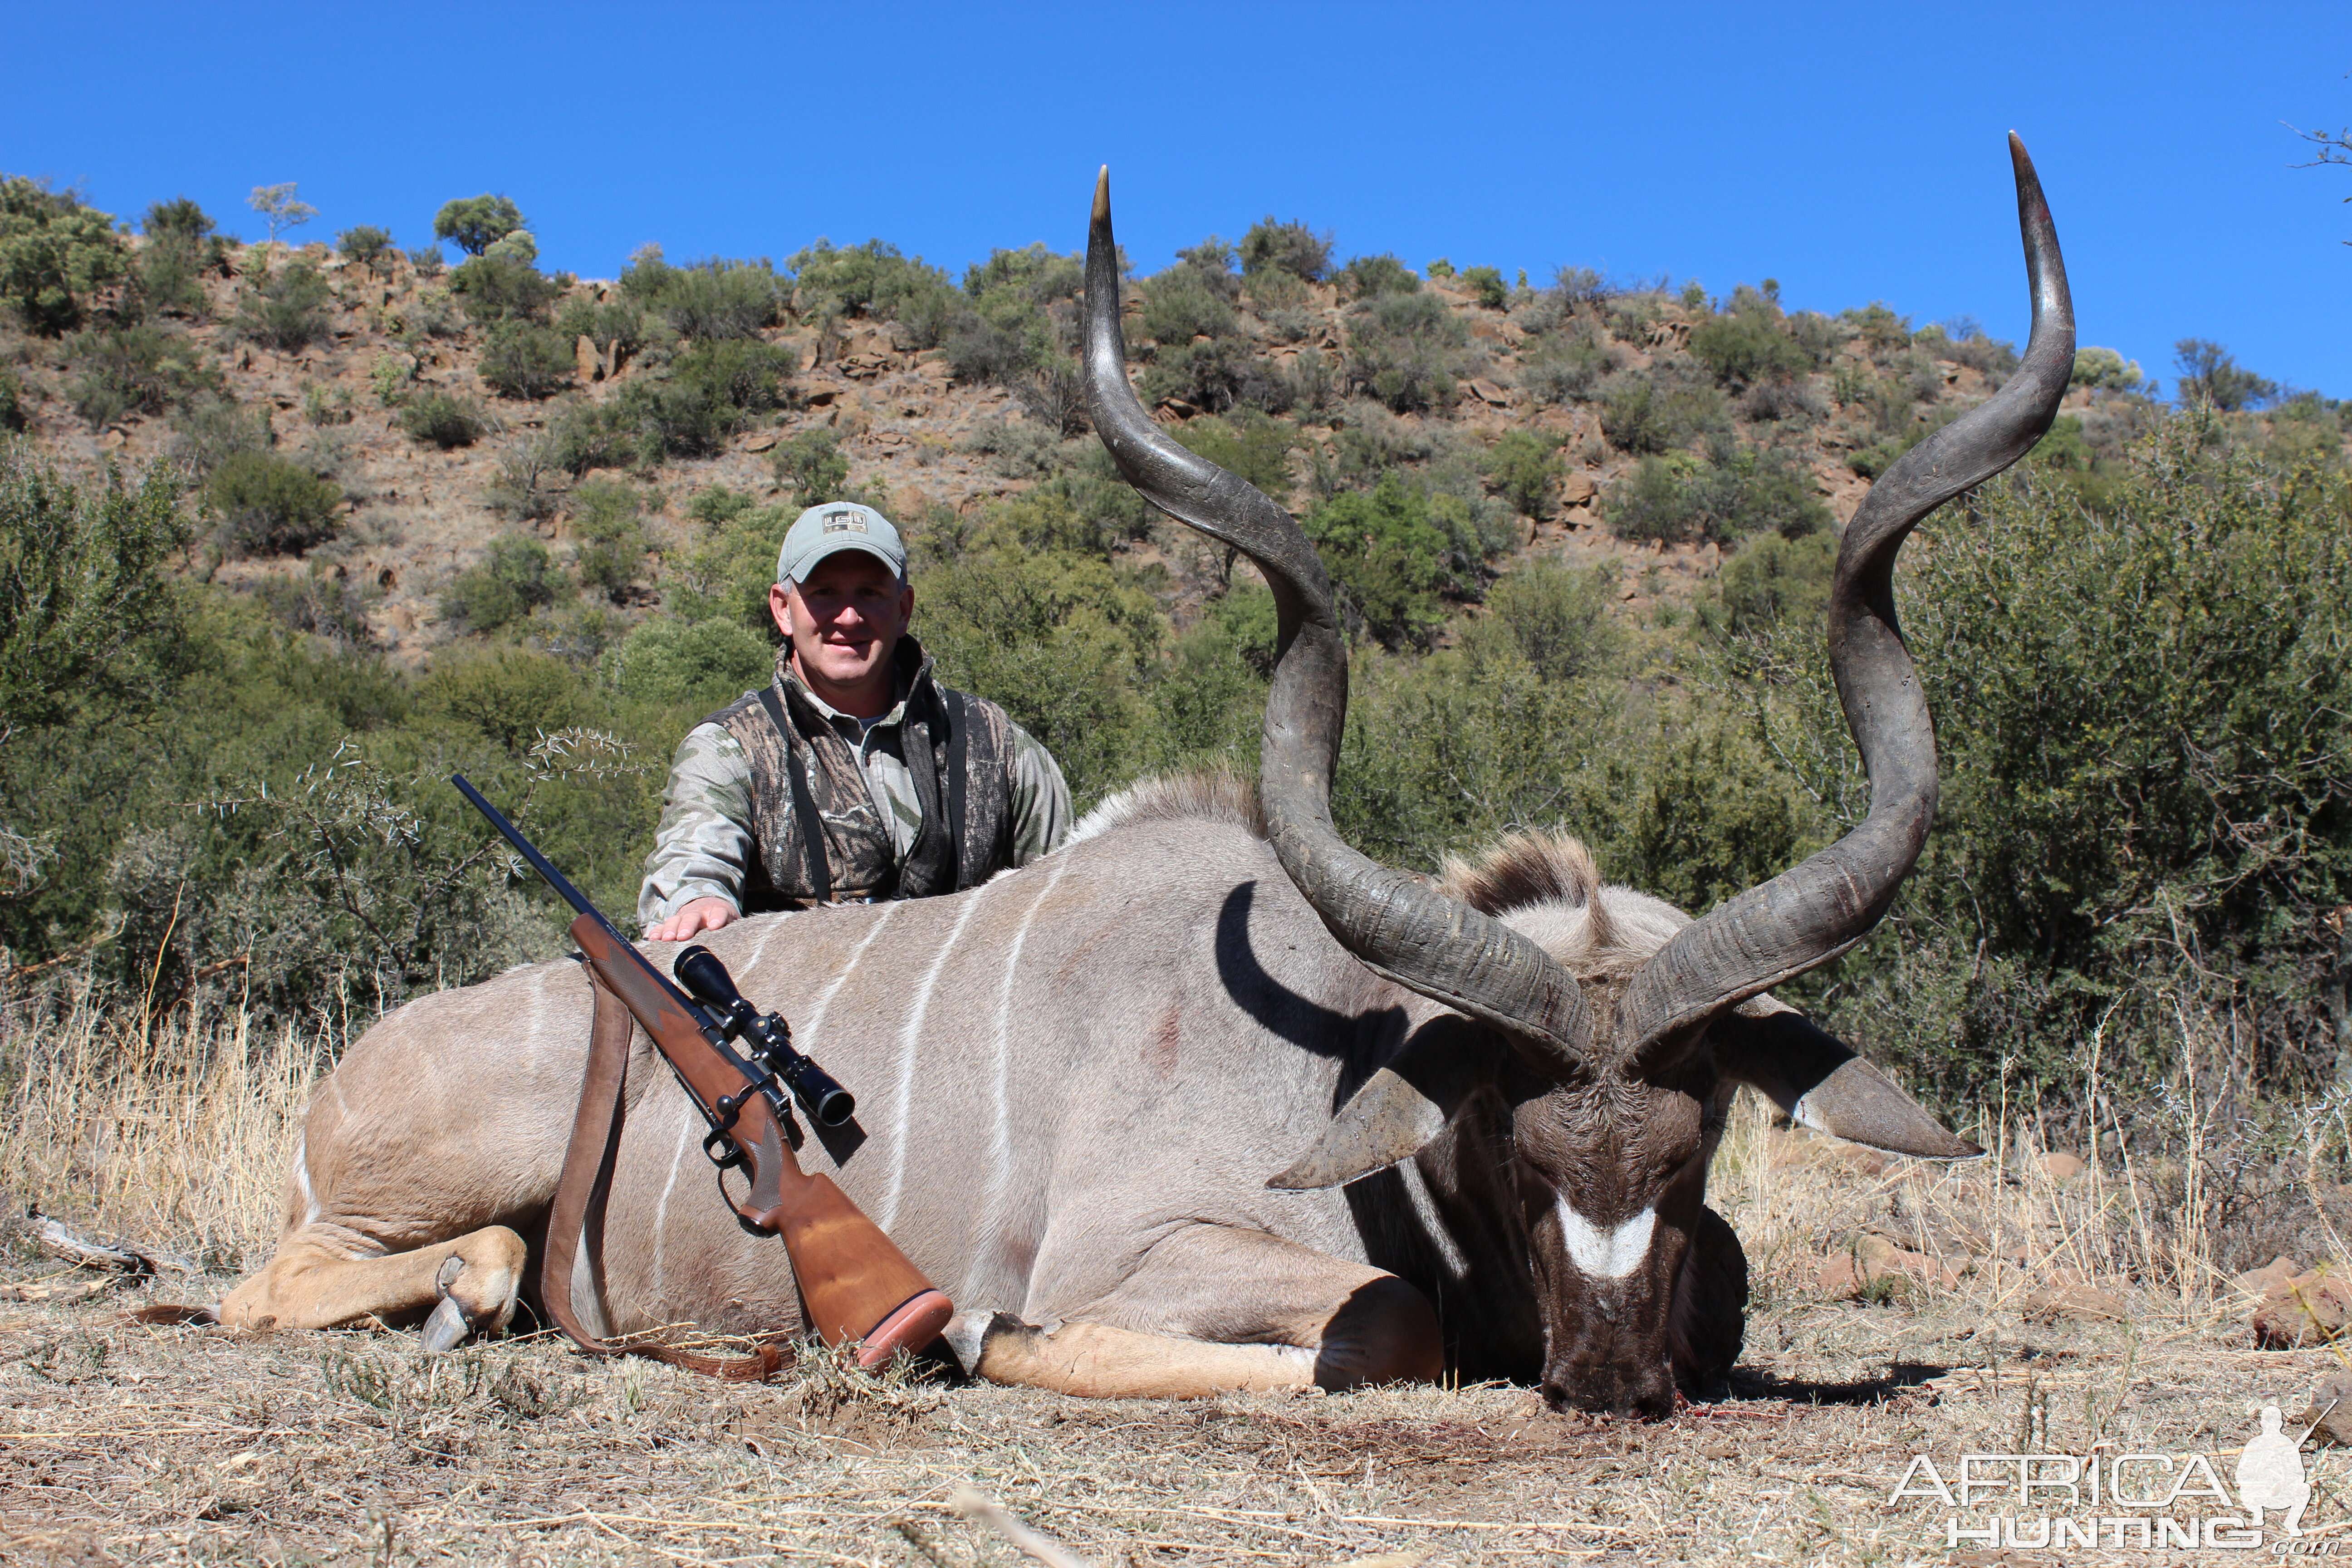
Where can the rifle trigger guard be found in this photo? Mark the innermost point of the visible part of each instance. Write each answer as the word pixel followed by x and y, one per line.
pixel 719 1146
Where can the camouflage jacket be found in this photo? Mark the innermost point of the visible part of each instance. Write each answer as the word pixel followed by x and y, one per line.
pixel 884 796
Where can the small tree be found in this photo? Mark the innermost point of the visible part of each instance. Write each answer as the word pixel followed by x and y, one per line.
pixel 474 224
pixel 54 254
pixel 2211 373
pixel 280 208
pixel 367 245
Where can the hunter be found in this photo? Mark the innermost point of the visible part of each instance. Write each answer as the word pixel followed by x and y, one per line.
pixel 853 776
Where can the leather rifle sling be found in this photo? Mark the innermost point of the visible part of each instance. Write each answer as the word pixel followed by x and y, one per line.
pixel 813 840
pixel 587 1174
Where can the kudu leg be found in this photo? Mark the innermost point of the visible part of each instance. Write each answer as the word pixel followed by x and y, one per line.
pixel 468 1283
pixel 1213 1309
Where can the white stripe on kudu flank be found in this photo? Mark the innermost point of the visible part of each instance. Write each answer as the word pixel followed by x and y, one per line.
pixel 1001 1147
pixel 903 1107
pixel 816 1013
pixel 1605 1252
pixel 685 1121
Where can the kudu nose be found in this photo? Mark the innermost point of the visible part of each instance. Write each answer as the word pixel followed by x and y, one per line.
pixel 1642 1393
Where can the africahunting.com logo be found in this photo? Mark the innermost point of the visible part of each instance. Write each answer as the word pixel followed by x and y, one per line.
pixel 2117 1501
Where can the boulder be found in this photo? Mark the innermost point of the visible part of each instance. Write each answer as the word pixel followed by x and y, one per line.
pixel 1487 392
pixel 2329 1414
pixel 2060 1167
pixel 2253 1286
pixel 1867 1260
pixel 1576 488
pixel 586 362
pixel 2080 1301
pixel 2308 1309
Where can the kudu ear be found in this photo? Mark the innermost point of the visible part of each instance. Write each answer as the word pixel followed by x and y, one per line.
pixel 1400 1107
pixel 1820 1084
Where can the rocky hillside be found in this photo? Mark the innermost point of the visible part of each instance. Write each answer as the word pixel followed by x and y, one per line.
pixel 445 412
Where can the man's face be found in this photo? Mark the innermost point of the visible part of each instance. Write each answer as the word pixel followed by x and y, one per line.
pixel 844 622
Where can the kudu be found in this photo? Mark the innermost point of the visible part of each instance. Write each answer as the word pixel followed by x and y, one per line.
pixel 1491 1099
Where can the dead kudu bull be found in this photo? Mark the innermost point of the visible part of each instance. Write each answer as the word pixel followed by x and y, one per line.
pixel 1491 1099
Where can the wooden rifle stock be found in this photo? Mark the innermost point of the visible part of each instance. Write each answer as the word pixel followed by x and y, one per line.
pixel 855 1282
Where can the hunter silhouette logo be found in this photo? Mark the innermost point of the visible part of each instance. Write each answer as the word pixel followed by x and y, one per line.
pixel 2270 1474
pixel 2040 1501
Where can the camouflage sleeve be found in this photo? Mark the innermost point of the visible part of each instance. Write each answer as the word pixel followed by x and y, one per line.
pixel 1041 801
pixel 705 839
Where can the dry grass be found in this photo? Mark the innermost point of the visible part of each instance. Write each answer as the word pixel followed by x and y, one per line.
pixel 123 1443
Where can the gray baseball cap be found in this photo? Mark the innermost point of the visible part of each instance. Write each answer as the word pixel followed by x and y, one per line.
pixel 836 526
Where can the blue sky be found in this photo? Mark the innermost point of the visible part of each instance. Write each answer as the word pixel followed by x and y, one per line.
pixel 1852 152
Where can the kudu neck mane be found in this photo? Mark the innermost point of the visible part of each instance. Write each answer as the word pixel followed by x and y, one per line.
pixel 1543 885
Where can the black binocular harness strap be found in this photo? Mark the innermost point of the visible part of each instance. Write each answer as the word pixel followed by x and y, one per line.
pixel 587 1178
pixel 820 862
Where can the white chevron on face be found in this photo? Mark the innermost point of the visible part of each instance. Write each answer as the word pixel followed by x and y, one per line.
pixel 1610 1252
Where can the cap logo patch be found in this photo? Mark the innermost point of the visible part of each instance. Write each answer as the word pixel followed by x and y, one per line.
pixel 844 522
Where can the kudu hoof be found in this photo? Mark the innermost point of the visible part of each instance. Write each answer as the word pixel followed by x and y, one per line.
pixel 446 1329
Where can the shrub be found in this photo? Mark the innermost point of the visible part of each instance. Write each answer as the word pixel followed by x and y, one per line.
pixel 55 253
pixel 445 421
pixel 1386 556
pixel 1772 579
pixel 1567 369
pixel 14 413
pixel 874 279
pixel 587 435
pixel 1406 350
pixel 1881 329
pixel 700 666
pixel 515 577
pixel 980 351
pixel 619 327
pixel 1214 376
pixel 365 245
pixel 2211 373
pixel 498 288
pixel 1248 445
pixel 810 468
pixel 428 260
pixel 1749 345
pixel 209 430
pixel 1552 615
pixel 1731 492
pixel 180 250
pixel 1185 302
pixel 2104 370
pixel 287 311
pixel 1770 401
pixel 606 519
pixel 1641 413
pixel 474 224
pixel 712 390
pixel 1290 248
pixel 1523 466
pixel 520 487
pixel 1485 286
pixel 270 506
pixel 1033 274
pixel 121 371
pixel 521 360
pixel 1369 276
pixel 179 218
pixel 712 298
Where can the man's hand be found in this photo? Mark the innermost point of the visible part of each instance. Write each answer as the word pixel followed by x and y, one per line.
pixel 703 914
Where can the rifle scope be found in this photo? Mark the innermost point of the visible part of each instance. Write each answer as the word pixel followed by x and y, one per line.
pixel 700 971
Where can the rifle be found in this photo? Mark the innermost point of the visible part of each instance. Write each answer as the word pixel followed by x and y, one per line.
pixel 856 1283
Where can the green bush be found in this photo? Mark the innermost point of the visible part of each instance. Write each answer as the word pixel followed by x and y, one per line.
pixel 1731 492
pixel 123 371
pixel 1386 558
pixel 474 224
pixel 55 253
pixel 365 245
pixel 445 421
pixel 1248 444
pixel 713 389
pixel 1370 277
pixel 207 430
pixel 521 360
pixel 620 327
pixel 700 666
pixel 428 260
pixel 1523 466
pixel 13 413
pixel 2211 373
pixel 1553 615
pixel 1567 368
pixel 607 520
pixel 1881 331
pixel 1772 582
pixel 2105 370
pixel 1644 412
pixel 514 578
pixel 268 505
pixel 585 436
pixel 1748 346
pixel 1291 247
pixel 180 248
pixel 874 279
pixel 1406 350
pixel 1485 286
pixel 286 310
pixel 710 298
pixel 494 287
pixel 1189 299
pixel 810 468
